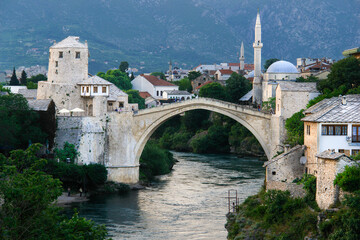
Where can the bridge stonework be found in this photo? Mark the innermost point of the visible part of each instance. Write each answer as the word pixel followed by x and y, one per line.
pixel 127 134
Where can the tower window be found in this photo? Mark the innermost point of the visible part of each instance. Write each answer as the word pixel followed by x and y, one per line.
pixel 60 54
pixel 308 129
pixel 95 89
pixel 104 89
pixel 87 89
pixel 56 71
pixel 77 55
pixel 56 63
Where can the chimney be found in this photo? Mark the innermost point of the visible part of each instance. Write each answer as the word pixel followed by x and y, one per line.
pixel 287 147
pixel 343 100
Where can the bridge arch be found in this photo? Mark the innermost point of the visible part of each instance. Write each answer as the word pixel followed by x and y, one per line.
pixel 233 111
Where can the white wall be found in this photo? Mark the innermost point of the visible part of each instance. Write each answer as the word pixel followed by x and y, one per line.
pixel 326 142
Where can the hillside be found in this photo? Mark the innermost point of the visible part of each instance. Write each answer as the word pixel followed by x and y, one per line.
pixel 147 33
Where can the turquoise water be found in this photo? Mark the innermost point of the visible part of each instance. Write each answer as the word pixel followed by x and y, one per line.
pixel 188 203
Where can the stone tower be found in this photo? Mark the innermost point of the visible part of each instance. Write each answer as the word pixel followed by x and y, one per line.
pixel 68 66
pixel 68 61
pixel 242 58
pixel 257 85
pixel 171 76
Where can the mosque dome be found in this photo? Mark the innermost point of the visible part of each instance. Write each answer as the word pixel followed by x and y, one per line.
pixel 282 67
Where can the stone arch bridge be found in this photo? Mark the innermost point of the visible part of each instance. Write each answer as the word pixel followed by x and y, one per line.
pixel 127 134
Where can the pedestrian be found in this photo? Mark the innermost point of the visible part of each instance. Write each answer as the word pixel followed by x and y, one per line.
pixel 259 107
pixel 80 190
pixel 69 192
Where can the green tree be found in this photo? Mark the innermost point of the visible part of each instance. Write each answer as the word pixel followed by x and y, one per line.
pixel 195 120
pixel 308 79
pixel 28 212
pixel 14 80
pixel 68 151
pixel 215 141
pixel 134 97
pixel 31 85
pixel 124 66
pixel 236 87
pixel 344 75
pixel 269 62
pixel 37 78
pixel 213 90
pixel 193 74
pixel 184 85
pixel 118 78
pixel 161 75
pixel 132 77
pixel 23 79
pixel 18 124
pixel 295 129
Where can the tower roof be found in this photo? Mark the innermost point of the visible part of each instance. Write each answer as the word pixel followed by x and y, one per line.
pixel 258 18
pixel 70 42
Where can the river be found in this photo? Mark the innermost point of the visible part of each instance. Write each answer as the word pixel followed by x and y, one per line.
pixel 188 203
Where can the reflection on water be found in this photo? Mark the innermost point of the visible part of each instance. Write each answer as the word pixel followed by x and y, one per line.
pixel 188 203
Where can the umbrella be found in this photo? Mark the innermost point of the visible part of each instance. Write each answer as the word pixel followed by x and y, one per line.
pixel 77 110
pixel 64 111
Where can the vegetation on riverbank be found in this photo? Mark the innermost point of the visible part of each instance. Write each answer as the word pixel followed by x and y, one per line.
pixel 155 161
pixel 276 215
pixel 27 195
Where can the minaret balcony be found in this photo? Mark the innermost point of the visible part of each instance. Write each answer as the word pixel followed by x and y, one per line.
pixel 258 45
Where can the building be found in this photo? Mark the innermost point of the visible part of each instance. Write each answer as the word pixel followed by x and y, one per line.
pixel 70 86
pixel 352 52
pixel 316 67
pixel 177 95
pixel 200 80
pixel 197 89
pixel 222 75
pixel 292 96
pixel 152 85
pixel 278 72
pixel 331 124
pixel 303 62
pixel 149 100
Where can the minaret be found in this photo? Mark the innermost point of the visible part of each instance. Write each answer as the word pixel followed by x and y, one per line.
pixel 257 85
pixel 171 76
pixel 242 58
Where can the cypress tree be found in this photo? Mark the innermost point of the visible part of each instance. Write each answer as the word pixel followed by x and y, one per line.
pixel 14 80
pixel 132 77
pixel 23 79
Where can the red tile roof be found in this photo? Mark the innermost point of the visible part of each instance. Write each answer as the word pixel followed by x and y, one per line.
pixel 226 72
pixel 144 95
pixel 234 64
pixel 205 83
pixel 249 66
pixel 156 81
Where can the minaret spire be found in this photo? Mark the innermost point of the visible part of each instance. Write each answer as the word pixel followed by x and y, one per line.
pixel 242 58
pixel 257 85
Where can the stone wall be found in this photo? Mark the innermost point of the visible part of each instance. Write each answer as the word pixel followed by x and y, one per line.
pixel 88 134
pixel 311 143
pixel 285 167
pixel 294 189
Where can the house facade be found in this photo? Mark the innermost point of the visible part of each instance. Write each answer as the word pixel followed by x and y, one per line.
pixel 152 85
pixel 332 124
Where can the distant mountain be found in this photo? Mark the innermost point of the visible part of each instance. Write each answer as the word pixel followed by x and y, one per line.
pixel 147 33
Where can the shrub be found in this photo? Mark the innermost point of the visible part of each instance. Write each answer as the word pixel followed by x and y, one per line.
pixel 96 174
pixel 295 129
pixel 68 151
pixel 349 180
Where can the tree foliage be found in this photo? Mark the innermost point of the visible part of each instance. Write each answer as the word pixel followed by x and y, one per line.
pixel 184 85
pixel 68 151
pixel 344 75
pixel 295 129
pixel 134 97
pixel 118 78
pixel 215 141
pixel 269 62
pixel 37 78
pixel 23 79
pixel 308 79
pixel 18 124
pixel 236 87
pixel 349 180
pixel 27 211
pixel 161 75
pixel 124 66
pixel 193 75
pixel 213 90
pixel 14 80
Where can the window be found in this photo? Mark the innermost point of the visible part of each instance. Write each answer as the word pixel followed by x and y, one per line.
pixel 356 133
pixel 83 89
pixel 199 84
pixel 104 89
pixel 157 93
pixel 56 71
pixel 87 89
pixel 95 89
pixel 308 129
pixel 77 54
pixel 121 104
pixel 56 63
pixel 60 54
pixel 334 130
pixel 110 104
pixel 274 173
pixel 341 151
pixel 355 152
pixel 161 93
